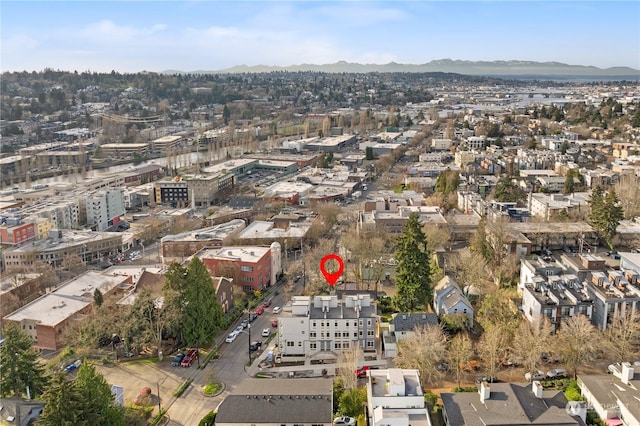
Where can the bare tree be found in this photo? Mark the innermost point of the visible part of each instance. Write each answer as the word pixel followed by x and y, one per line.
pixel 530 342
pixel 459 354
pixel 623 335
pixel 493 348
pixel 348 363
pixel 628 190
pixel 423 350
pixel 578 342
pixel 468 267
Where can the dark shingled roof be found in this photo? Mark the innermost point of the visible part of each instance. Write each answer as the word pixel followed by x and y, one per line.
pixel 510 404
pixel 281 401
pixel 408 322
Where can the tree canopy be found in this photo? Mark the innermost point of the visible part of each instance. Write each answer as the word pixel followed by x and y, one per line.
pixel 606 213
pixel 413 272
pixel 448 182
pixel 19 366
pixel 192 292
pixel 87 400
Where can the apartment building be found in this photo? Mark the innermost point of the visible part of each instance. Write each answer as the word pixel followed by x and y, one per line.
pixel 186 244
pixel 199 191
pixel 325 325
pixel 104 208
pixel 251 267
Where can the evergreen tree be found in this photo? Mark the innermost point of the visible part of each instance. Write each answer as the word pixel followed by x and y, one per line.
pixel 97 404
pixel 413 272
pixel 19 366
pixel 569 182
pixel 97 297
pixel 606 213
pixel 448 182
pixel 63 404
pixel 199 312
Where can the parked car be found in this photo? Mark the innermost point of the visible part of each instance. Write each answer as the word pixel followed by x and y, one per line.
pixel 254 346
pixel 538 375
pixel 74 365
pixel 238 329
pixel 260 310
pixel 344 421
pixel 188 359
pixel 252 317
pixel 443 366
pixel 488 379
pixel 557 372
pixel 176 360
pixel 231 337
pixel 274 323
pixel 267 303
pixel 244 323
pixel 362 371
pixel 266 332
pixel 277 310
pixel 472 364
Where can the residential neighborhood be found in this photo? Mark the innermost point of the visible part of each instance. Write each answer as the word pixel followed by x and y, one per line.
pixel 170 240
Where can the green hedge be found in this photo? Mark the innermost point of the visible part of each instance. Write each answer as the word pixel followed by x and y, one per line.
pixel 209 419
pixel 158 417
pixel 183 387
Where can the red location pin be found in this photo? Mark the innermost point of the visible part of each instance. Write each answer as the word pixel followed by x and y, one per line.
pixel 331 278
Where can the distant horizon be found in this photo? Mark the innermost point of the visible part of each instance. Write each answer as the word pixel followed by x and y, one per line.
pixel 155 36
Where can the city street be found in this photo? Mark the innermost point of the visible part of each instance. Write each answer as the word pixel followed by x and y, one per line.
pixel 230 369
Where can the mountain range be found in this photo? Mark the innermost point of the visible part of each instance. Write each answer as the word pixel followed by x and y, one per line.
pixel 515 69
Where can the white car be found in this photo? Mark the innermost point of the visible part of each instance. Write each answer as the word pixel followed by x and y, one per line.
pixel 277 310
pixel 231 337
pixel 266 332
pixel 557 372
pixel 344 421
pixel 538 375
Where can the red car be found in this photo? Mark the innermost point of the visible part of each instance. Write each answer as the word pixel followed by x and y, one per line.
pixel 362 371
pixel 260 310
pixel 188 359
pixel 274 323
pixel 267 303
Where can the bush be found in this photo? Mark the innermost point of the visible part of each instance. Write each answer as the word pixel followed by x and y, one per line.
pixel 211 355
pixel 572 392
pixel 158 417
pixel 212 389
pixel 209 419
pixel 183 387
pixel 430 399
pixel 465 389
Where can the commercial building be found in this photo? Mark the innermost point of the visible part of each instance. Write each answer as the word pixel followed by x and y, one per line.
pixel 188 243
pixel 46 318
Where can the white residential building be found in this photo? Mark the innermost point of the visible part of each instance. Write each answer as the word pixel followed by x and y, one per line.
pixel 448 299
pixel 103 207
pixel 395 398
pixel 324 326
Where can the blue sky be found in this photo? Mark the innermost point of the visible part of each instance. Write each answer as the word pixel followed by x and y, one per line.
pixel 131 36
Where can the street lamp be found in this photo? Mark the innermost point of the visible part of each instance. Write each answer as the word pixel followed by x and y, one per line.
pixel 249 351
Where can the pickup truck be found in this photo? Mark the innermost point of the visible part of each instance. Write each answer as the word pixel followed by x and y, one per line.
pixel 188 359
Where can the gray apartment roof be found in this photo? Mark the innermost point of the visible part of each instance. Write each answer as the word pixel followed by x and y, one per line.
pixel 510 404
pixel 342 312
pixel 283 401
pixel 607 389
pixel 408 322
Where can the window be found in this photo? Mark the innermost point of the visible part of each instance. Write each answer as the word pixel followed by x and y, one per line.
pixel 335 324
pixel 337 334
pixel 312 334
pixel 313 324
pixel 290 344
pixel 246 268
pixel 370 333
pixel 338 345
pixel 299 343
pixel 345 345
pixel 355 334
pixel 369 344
pixel 368 323
pixel 313 345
